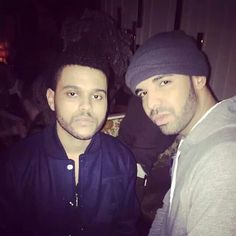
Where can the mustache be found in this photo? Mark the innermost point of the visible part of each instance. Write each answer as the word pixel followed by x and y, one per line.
pixel 156 111
pixel 83 115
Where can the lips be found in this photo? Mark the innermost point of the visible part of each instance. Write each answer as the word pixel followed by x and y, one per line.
pixel 84 120
pixel 161 119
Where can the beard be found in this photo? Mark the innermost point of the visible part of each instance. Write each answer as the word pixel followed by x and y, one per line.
pixel 78 131
pixel 181 120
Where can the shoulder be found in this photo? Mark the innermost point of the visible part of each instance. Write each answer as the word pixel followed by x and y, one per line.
pixel 114 143
pixel 114 149
pixel 221 143
pixel 221 155
pixel 213 155
pixel 214 158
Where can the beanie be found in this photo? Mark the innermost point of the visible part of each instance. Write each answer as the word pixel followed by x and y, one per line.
pixel 166 53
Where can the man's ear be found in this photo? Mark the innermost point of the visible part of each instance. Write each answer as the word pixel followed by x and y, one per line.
pixel 199 82
pixel 50 98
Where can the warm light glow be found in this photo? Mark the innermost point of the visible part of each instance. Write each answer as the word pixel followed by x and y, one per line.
pixel 4 52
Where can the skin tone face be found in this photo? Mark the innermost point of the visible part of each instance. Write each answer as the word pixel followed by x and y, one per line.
pixel 80 103
pixel 171 101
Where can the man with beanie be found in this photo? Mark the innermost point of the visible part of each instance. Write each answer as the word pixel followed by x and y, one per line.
pixel 152 150
pixel 71 179
pixel 169 73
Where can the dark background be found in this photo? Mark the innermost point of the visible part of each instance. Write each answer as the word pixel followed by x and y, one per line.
pixel 33 26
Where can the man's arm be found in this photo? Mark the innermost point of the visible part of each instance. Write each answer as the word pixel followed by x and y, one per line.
pixel 159 223
pixel 213 210
pixel 8 211
pixel 128 211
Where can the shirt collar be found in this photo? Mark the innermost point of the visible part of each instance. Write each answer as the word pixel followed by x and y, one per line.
pixel 54 148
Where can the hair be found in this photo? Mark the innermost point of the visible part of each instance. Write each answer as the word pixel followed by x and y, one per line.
pixel 78 54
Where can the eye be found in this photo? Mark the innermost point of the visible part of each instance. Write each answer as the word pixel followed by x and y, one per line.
pixel 97 97
pixel 164 82
pixel 141 94
pixel 71 94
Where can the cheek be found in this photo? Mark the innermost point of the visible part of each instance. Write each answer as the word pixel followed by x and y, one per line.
pixel 100 109
pixel 64 108
pixel 104 109
pixel 178 102
pixel 145 107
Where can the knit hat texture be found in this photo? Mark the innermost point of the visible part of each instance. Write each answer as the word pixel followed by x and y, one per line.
pixel 166 53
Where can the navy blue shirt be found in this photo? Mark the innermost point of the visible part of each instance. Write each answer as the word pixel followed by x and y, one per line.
pixel 39 195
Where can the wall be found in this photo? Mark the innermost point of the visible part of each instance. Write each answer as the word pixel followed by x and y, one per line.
pixel 157 15
pixel 214 18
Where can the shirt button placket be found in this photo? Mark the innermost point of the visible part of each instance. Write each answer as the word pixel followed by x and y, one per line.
pixel 70 167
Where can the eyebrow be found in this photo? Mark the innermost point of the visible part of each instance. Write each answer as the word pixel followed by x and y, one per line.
pixel 101 90
pixel 70 87
pixel 156 78
pixel 76 87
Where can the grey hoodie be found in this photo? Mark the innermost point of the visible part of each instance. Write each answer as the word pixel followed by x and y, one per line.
pixel 204 201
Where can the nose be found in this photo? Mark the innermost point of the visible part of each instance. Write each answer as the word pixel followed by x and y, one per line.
pixel 85 103
pixel 152 101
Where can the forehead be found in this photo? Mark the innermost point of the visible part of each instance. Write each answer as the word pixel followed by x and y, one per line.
pixel 82 76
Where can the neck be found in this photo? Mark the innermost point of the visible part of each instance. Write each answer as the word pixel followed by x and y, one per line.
pixel 74 147
pixel 205 102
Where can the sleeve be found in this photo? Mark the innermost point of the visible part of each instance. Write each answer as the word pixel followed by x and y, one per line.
pixel 213 203
pixel 129 208
pixel 8 207
pixel 159 223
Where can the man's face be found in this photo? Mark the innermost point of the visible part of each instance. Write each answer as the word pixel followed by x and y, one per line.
pixel 169 101
pixel 79 101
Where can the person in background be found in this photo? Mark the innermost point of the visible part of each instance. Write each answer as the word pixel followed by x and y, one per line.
pixel 170 74
pixel 12 122
pixel 147 143
pixel 69 178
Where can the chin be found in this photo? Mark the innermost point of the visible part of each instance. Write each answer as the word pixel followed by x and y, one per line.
pixel 85 136
pixel 167 130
